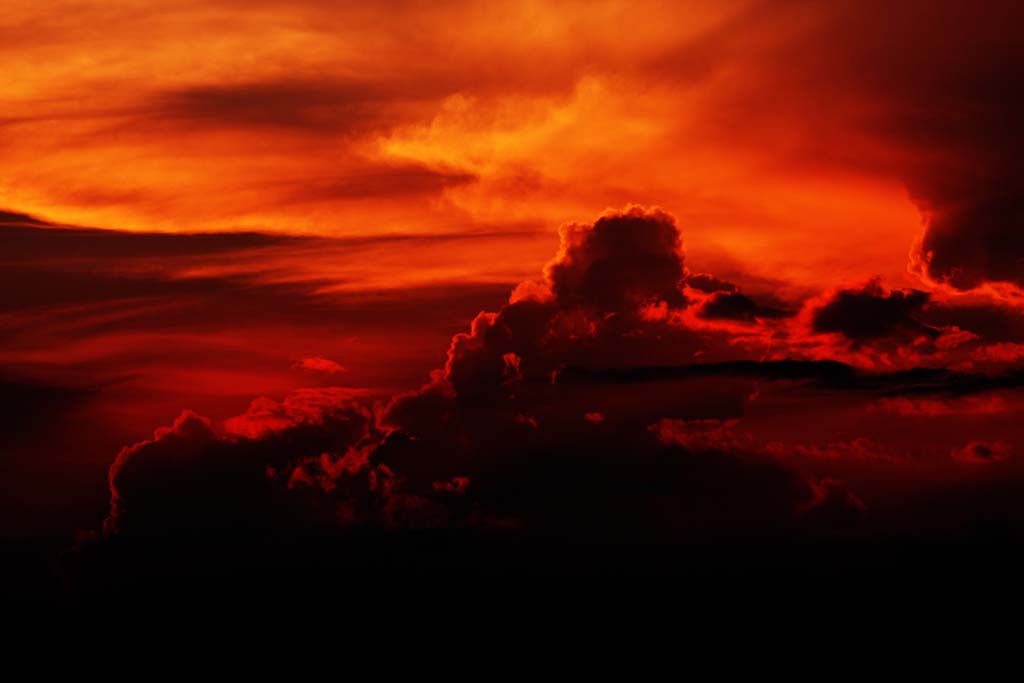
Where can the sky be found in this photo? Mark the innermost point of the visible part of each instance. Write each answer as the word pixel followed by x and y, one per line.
pixel 444 265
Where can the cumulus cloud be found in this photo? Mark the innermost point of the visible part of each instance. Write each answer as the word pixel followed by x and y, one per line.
pixel 189 476
pixel 622 261
pixel 600 402
pixel 590 311
pixel 573 412
pixel 502 434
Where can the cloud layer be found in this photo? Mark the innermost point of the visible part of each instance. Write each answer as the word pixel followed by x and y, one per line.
pixel 549 417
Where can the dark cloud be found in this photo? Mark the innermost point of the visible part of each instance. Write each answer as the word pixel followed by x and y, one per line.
pixel 22 243
pixel 939 381
pixel 718 299
pixel 34 287
pixel 287 104
pixel 706 282
pixel 992 320
pixel 509 410
pixel 961 109
pixel 621 262
pixel 190 477
pixel 950 108
pixel 591 311
pixel 503 444
pixel 929 93
pixel 828 375
pixel 13 218
pixel 871 313
pixel 793 370
pixel 25 239
pixel 969 246
pixel 723 305
pixel 497 438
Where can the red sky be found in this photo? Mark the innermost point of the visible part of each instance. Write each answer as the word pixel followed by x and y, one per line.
pixel 203 204
pixel 333 119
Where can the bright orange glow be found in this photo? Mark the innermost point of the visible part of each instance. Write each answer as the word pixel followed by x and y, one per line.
pixel 337 119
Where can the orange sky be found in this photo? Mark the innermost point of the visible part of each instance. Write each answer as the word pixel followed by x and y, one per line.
pixel 345 120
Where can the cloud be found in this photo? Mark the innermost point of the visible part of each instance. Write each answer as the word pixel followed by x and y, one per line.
pixel 994 320
pixel 230 313
pixel 621 262
pixel 304 408
pixel 30 240
pixel 569 413
pixel 505 414
pixel 932 407
pixel 873 326
pixel 946 121
pixel 189 477
pixel 506 407
pixel 828 373
pixel 982 452
pixel 10 219
pixel 871 313
pixel 321 364
pixel 589 311
pixel 706 282
pixel 286 104
pixel 734 306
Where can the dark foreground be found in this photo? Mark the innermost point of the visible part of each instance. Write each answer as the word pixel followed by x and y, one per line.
pixel 279 570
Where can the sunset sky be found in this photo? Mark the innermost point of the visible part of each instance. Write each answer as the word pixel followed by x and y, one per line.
pixel 784 229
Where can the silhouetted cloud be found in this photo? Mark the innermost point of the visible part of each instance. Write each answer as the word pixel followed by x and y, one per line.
pixel 507 414
pixel 188 476
pixel 722 305
pixel 618 264
pixel 706 282
pixel 872 313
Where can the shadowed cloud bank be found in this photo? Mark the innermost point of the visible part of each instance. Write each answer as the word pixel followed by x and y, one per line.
pixel 495 440
pixel 599 406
